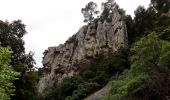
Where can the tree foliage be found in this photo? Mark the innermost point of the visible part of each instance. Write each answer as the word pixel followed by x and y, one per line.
pixel 11 34
pixel 89 12
pixel 91 77
pixel 149 58
pixel 162 6
pixel 107 9
pixel 145 20
pixel 7 75
pixel 148 34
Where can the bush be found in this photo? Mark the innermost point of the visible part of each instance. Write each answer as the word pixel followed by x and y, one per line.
pixel 60 91
pixel 150 56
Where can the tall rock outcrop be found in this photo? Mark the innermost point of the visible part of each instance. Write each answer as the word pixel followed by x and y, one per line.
pixel 98 38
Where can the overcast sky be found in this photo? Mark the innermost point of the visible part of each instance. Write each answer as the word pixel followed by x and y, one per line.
pixel 51 22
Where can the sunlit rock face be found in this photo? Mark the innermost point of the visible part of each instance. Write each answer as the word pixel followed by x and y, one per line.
pixel 99 38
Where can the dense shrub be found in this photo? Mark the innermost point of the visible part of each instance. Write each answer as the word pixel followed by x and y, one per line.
pixel 150 56
pixel 60 91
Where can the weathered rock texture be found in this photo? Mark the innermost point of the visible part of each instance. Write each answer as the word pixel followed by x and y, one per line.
pixel 99 38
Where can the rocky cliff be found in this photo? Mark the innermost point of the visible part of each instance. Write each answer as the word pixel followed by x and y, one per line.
pixel 98 38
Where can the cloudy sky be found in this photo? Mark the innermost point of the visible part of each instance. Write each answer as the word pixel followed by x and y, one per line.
pixel 51 22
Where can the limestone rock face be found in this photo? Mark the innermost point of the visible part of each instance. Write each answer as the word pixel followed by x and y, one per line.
pixel 98 38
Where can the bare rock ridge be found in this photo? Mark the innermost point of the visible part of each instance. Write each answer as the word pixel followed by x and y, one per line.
pixel 101 37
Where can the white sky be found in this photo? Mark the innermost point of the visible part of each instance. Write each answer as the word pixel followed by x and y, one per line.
pixel 51 22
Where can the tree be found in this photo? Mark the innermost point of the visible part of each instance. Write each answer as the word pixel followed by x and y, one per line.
pixel 7 75
pixel 146 53
pixel 149 58
pixel 89 12
pixel 162 6
pixel 108 6
pixel 11 34
pixel 107 10
pixel 145 20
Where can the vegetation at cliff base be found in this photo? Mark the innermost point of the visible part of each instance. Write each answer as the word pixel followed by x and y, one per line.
pixel 91 77
pixel 139 72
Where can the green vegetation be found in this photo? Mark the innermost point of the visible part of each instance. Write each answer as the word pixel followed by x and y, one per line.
pixel 91 77
pixel 89 12
pixel 11 34
pixel 149 56
pixel 7 75
pixel 140 72
pixel 162 6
